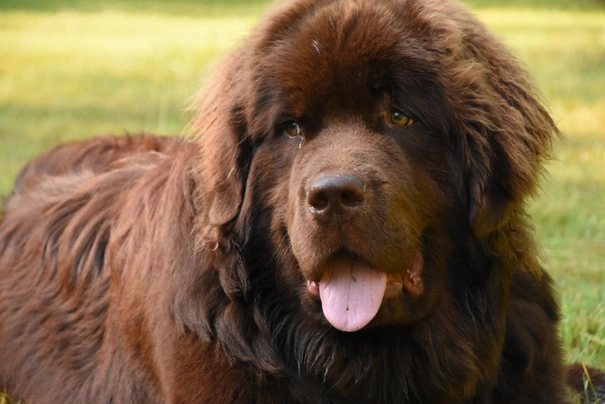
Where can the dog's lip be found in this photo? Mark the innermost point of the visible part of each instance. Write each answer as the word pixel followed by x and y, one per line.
pixel 409 279
pixel 313 289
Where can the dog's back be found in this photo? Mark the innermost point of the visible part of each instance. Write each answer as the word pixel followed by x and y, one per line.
pixel 58 342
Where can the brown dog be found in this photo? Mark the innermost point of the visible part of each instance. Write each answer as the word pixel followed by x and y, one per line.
pixel 348 227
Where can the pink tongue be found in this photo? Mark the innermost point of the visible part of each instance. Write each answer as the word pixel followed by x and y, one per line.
pixel 351 293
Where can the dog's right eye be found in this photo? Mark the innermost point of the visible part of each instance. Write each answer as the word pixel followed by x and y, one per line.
pixel 292 129
pixel 398 118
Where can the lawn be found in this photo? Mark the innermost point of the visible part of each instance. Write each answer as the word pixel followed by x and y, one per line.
pixel 71 69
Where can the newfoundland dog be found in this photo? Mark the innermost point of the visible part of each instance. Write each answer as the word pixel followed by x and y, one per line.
pixel 348 226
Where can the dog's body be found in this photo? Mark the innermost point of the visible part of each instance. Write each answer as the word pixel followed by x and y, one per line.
pixel 349 227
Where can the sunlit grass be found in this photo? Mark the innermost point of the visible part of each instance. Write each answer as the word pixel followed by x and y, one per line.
pixel 565 51
pixel 194 8
pixel 73 74
pixel 103 66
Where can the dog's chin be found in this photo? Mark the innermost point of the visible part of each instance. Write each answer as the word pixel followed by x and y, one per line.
pixel 355 294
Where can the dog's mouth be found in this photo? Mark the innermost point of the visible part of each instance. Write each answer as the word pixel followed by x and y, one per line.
pixel 352 291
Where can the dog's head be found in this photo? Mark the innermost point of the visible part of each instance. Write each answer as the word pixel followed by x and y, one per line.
pixel 369 139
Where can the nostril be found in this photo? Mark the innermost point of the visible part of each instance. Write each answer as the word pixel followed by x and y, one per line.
pixel 318 200
pixel 331 195
pixel 352 198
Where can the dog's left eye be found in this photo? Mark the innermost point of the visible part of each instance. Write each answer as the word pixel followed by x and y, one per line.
pixel 292 129
pixel 400 119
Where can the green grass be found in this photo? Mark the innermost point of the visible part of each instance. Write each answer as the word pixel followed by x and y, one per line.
pixel 5 399
pixel 71 69
pixel 72 74
pixel 202 8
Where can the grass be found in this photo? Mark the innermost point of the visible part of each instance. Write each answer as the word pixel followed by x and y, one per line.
pixel 5 399
pixel 202 8
pixel 71 69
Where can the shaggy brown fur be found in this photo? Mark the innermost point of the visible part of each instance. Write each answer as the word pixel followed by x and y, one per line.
pixel 91 155
pixel 172 270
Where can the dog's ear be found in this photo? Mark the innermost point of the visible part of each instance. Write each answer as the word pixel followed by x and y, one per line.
pixel 505 132
pixel 225 151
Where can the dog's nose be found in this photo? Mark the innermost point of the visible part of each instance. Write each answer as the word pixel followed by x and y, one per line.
pixel 336 195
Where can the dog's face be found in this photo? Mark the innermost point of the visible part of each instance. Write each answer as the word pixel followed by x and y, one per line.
pixel 359 143
pixel 371 153
pixel 362 212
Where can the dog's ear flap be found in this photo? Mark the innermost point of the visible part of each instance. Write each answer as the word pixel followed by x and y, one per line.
pixel 492 187
pixel 506 132
pixel 507 149
pixel 223 170
pixel 225 151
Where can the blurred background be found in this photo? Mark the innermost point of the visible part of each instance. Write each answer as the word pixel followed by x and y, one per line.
pixel 71 69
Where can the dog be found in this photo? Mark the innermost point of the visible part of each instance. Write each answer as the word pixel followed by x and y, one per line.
pixel 348 225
